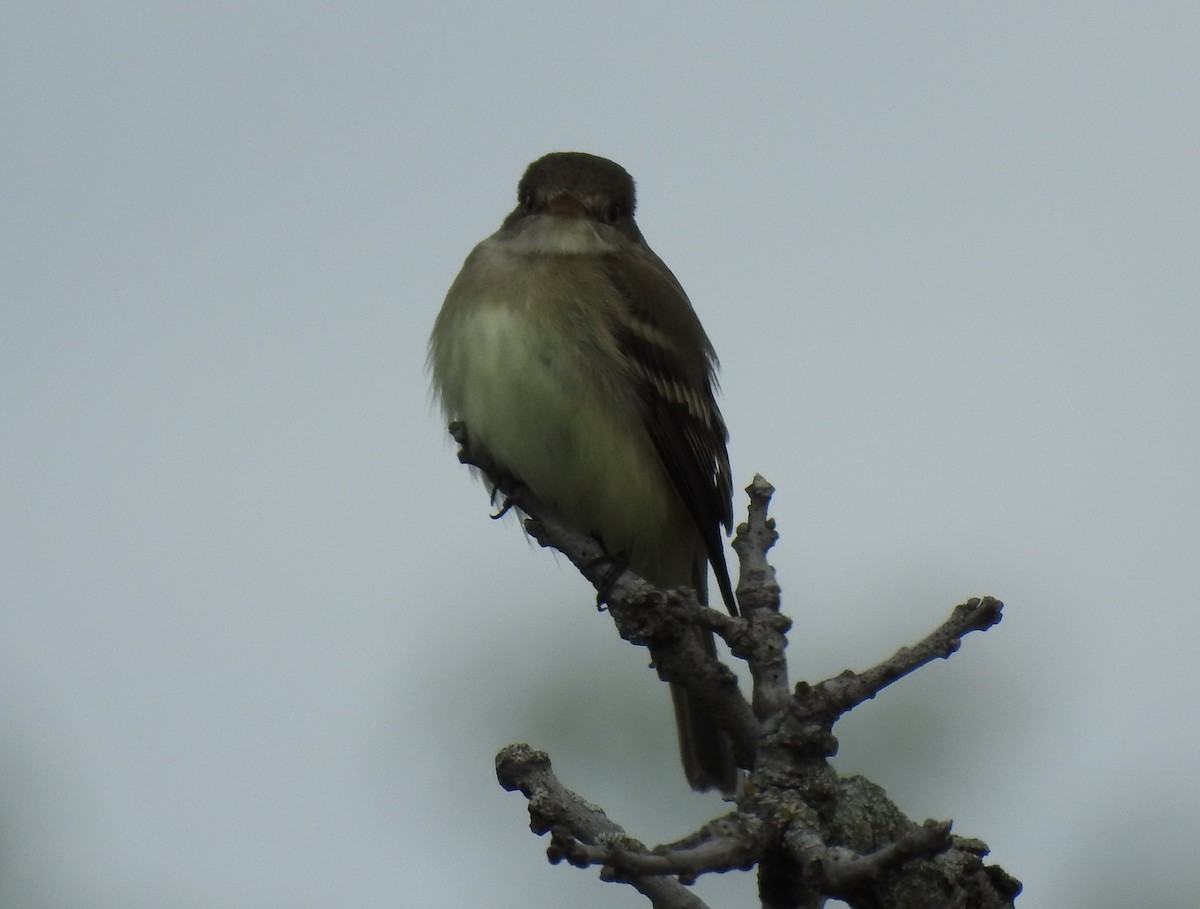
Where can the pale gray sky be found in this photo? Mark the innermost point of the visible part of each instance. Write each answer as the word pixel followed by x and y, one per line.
pixel 260 642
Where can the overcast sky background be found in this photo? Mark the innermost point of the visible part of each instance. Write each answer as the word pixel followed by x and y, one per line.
pixel 258 640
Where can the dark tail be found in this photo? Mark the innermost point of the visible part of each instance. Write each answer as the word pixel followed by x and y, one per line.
pixel 705 750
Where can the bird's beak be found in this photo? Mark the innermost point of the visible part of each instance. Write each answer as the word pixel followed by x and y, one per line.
pixel 565 204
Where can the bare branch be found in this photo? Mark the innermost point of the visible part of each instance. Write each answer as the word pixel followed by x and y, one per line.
pixel 726 844
pixel 812 834
pixel 574 823
pixel 841 872
pixel 762 643
pixel 849 689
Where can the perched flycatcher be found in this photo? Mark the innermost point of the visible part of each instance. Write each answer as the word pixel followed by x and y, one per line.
pixel 574 359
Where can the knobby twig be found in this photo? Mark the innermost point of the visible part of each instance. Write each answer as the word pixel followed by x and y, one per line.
pixel 812 834
pixel 574 824
pixel 849 689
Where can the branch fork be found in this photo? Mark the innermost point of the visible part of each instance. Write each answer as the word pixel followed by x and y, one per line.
pixel 812 834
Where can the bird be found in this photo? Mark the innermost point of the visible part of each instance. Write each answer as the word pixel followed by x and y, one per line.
pixel 575 361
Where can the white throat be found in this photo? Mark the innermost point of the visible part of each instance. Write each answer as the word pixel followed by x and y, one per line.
pixel 555 234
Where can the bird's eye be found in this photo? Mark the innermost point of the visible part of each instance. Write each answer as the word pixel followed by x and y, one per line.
pixel 614 211
pixel 526 200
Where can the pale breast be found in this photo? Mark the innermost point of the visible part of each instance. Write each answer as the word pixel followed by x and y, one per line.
pixel 522 365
